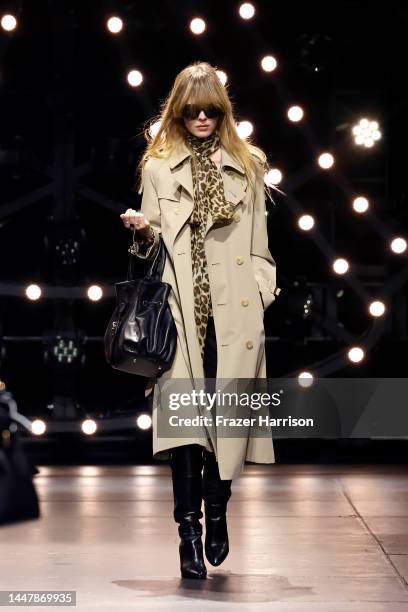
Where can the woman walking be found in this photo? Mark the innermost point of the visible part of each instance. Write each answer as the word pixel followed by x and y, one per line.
pixel 204 194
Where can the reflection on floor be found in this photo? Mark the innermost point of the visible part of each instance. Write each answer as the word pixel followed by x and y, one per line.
pixel 302 538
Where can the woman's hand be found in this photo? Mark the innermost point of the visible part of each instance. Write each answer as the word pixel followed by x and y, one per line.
pixel 137 220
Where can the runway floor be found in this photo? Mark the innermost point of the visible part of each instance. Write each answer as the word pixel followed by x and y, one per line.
pixel 313 538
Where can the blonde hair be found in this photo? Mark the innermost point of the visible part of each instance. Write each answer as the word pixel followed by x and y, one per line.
pixel 199 84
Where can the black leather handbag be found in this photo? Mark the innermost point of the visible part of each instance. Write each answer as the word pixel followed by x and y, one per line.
pixel 141 337
pixel 18 497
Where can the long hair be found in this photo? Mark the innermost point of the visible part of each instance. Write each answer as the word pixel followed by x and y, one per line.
pixel 200 84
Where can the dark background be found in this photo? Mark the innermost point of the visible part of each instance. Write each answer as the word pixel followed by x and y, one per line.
pixel 71 123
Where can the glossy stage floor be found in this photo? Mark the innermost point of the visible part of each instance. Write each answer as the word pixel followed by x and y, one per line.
pixel 302 538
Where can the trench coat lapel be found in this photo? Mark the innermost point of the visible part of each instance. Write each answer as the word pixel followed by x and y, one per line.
pixel 235 184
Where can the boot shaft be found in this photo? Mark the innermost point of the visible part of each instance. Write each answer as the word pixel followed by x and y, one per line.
pixel 215 491
pixel 186 466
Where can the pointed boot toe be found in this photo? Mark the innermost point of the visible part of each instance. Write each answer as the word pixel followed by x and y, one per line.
pixel 216 536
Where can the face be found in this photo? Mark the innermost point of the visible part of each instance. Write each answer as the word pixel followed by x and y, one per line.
pixel 202 126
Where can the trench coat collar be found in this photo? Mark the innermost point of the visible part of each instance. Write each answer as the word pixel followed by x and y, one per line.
pixel 234 185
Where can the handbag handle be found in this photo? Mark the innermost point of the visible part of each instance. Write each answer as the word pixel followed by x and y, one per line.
pixel 156 267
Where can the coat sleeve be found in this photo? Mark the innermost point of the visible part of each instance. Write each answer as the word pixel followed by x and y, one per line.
pixel 263 264
pixel 146 248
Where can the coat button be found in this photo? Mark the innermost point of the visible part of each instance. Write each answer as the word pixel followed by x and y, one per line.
pixel 176 211
pixel 244 302
pixel 237 217
pixel 249 344
pixel 239 260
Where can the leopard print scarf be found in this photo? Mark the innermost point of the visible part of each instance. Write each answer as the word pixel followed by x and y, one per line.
pixel 209 196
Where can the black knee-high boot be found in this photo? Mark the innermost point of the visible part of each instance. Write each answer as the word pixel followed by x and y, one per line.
pixel 186 464
pixel 216 493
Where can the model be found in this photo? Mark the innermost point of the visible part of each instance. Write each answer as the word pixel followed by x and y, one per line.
pixel 204 193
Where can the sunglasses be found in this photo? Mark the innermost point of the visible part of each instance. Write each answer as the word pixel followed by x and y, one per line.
pixel 191 111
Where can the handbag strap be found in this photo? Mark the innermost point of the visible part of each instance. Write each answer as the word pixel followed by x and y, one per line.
pixel 155 270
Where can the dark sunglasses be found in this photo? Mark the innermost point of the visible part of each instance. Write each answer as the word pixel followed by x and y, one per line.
pixel 191 111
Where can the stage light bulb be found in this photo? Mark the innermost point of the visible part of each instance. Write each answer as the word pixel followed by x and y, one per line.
pixel 144 421
pixel 366 133
pixel 295 113
pixel 398 245
pixel 340 265
pixel 247 10
pixel 114 25
pixel 38 427
pixel 197 25
pixel 356 354
pixel 306 222
pixel 33 292
pixel 273 176
pixel 377 308
pixel 89 427
pixel 222 76
pixel 8 22
pixel 134 78
pixel 95 293
pixel 326 160
pixel 305 379
pixel 268 63
pixel 360 204
pixel 244 129
pixel 154 128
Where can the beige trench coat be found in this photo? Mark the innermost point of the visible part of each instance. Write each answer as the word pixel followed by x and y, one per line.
pixel 240 268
